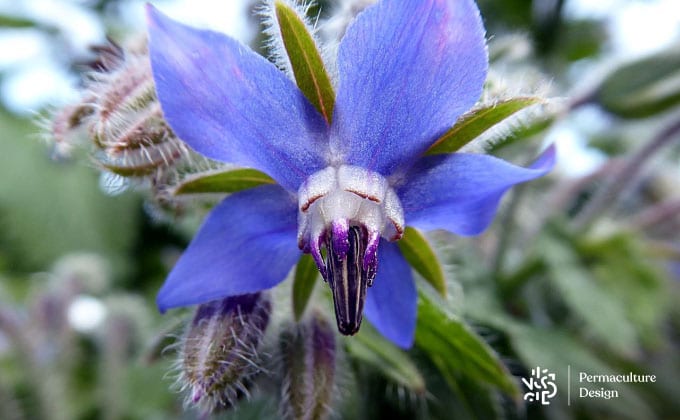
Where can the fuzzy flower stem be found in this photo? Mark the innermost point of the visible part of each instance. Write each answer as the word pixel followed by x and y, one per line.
pixel 623 177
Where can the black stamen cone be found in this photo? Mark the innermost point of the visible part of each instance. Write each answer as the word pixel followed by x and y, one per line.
pixel 348 281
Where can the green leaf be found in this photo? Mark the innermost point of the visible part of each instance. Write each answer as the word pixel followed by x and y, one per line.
pixel 473 124
pixel 642 88
pixel 16 22
pixel 310 73
pixel 422 258
pixel 306 274
pixel 603 313
pixel 51 209
pixel 470 401
pixel 374 350
pixel 223 182
pixel 626 270
pixel 457 351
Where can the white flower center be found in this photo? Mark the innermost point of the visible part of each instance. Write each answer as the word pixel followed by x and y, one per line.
pixel 346 210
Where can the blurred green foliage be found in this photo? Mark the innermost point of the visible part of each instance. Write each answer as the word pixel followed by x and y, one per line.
pixel 49 208
pixel 562 280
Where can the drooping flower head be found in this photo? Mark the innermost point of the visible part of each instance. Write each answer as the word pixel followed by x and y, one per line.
pixel 348 183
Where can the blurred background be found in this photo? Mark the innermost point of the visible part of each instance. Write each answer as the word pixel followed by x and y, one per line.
pixel 580 269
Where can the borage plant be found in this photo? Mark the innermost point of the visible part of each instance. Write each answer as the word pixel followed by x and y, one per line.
pixel 352 169
pixel 353 163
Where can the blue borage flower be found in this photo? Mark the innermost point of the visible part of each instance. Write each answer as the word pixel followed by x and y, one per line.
pixel 407 69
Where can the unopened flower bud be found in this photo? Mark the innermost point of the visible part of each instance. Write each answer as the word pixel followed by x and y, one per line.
pixel 121 115
pixel 220 348
pixel 63 125
pixel 127 123
pixel 309 356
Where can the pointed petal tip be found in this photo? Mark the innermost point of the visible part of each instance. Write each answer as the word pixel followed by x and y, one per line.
pixel 405 342
pixel 163 301
pixel 200 73
pixel 546 161
pixel 152 13
pixel 466 207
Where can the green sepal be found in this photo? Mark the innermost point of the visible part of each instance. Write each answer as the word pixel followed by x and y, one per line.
pixel 308 67
pixel 422 258
pixel 306 274
pixel 223 182
pixel 473 124
pixel 372 349
pixel 457 351
pixel 7 21
pixel 524 131
pixel 642 88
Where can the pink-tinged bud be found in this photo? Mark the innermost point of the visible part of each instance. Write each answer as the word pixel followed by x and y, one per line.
pixel 219 351
pixel 63 126
pixel 120 116
pixel 308 352
pixel 127 123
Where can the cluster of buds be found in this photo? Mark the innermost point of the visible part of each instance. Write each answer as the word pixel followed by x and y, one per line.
pixel 223 352
pixel 219 351
pixel 120 116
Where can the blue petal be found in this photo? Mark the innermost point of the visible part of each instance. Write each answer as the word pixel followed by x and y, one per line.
pixel 461 192
pixel 247 244
pixel 391 301
pixel 407 70
pixel 230 104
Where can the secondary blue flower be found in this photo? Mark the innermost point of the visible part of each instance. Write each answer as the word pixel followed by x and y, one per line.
pixel 407 69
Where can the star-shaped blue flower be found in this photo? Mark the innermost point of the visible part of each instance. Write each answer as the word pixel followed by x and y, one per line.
pixel 407 69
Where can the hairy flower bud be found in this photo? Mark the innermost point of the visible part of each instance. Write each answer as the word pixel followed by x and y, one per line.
pixel 120 115
pixel 63 125
pixel 220 347
pixel 127 123
pixel 309 357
